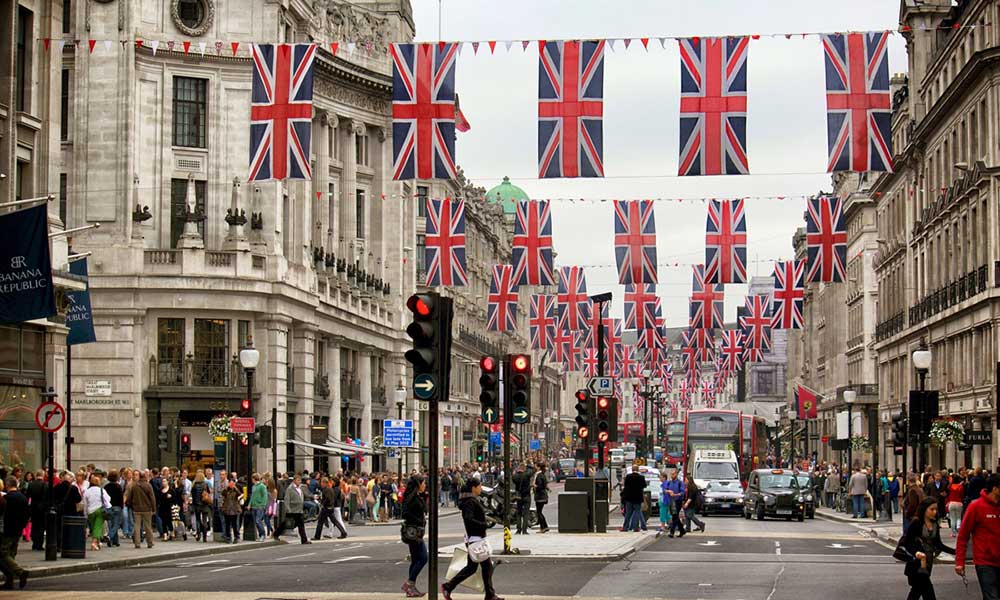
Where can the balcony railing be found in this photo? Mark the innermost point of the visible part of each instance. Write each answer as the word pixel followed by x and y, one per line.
pixel 959 290
pixel 855 341
pixel 196 372
pixel 890 326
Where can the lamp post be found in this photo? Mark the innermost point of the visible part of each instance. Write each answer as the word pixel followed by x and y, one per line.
pixel 400 403
pixel 791 445
pixel 922 359
pixel 849 397
pixel 249 358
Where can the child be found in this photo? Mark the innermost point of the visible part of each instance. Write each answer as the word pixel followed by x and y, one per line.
pixel 665 515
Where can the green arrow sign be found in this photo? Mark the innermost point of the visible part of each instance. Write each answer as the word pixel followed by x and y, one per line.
pixel 490 415
pixel 521 415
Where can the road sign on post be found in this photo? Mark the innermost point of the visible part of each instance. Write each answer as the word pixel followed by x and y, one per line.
pixel 424 386
pixel 601 386
pixel 50 416
pixel 242 425
pixel 397 434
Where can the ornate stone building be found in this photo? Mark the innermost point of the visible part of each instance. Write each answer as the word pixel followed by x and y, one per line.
pixel 191 263
pixel 937 222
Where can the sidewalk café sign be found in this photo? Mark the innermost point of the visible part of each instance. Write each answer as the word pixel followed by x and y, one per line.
pixel 25 266
pixel 79 318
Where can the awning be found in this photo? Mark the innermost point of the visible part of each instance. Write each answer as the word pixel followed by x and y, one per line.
pixel 339 448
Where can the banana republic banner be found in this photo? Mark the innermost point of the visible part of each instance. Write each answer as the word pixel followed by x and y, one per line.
pixel 25 267
pixel 78 315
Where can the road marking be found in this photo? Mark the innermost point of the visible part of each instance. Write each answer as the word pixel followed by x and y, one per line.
pixel 226 568
pixel 345 559
pixel 710 543
pixel 704 585
pixel 158 581
pixel 777 549
pixel 296 556
pixel 351 547
pixel 208 562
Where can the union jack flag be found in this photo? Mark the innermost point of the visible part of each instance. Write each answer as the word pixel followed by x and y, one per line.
pixel 789 294
pixel 501 310
pixel 613 344
pixel 732 350
pixel 531 247
pixel 541 321
pixel 683 390
pixel 281 97
pixel 756 326
pixel 703 340
pixel 423 111
pixel 562 340
pixel 571 109
pixel 589 339
pixel 858 108
pixel 444 243
pixel 627 366
pixel 590 362
pixel 706 301
pixel 650 340
pixel 826 240
pixel 726 242
pixel 714 106
pixel 708 392
pixel 572 297
pixel 642 306
pixel 635 241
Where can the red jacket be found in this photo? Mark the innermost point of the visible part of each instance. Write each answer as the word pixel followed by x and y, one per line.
pixel 981 521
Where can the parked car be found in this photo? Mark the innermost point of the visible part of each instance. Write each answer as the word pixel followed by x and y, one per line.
pixel 773 493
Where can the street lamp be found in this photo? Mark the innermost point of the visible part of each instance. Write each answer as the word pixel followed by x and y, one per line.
pixel 249 359
pixel 791 445
pixel 400 403
pixel 922 359
pixel 849 397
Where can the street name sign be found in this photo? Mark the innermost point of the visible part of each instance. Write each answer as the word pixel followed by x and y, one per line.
pixel 602 386
pixel 397 434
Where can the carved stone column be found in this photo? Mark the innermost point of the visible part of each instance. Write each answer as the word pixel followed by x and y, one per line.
pixel 191 238
pixel 365 375
pixel 236 240
pixel 334 425
pixel 348 207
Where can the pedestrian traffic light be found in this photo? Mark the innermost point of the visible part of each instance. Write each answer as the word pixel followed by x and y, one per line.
pixel 184 444
pixel 430 331
pixel 265 434
pixel 489 389
pixel 162 437
pixel 245 407
pixel 518 387
pixel 899 428
pixel 480 455
pixel 603 416
pixel 582 414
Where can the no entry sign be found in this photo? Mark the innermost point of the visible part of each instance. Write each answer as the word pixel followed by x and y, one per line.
pixel 50 417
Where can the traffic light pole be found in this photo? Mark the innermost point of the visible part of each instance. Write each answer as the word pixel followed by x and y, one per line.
pixel 507 416
pixel 599 307
pixel 433 485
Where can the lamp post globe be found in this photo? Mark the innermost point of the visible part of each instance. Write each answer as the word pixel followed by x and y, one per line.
pixel 249 359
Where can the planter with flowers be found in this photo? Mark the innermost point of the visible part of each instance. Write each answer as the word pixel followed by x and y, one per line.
pixel 219 427
pixel 860 442
pixel 946 430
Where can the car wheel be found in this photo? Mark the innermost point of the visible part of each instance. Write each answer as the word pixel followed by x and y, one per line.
pixel 802 517
pixel 812 514
pixel 760 512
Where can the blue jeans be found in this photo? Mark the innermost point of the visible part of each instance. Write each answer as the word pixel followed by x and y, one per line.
pixel 258 520
pixel 989 582
pixel 127 522
pixel 634 518
pixel 858 505
pixel 114 515
pixel 418 558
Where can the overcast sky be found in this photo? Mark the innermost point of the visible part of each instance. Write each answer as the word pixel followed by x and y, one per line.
pixel 786 119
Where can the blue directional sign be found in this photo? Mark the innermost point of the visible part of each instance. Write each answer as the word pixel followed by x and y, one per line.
pixel 424 386
pixel 397 434
pixel 534 444
pixel 496 439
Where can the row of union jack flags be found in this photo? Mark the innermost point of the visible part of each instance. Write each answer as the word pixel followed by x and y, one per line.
pixel 713 106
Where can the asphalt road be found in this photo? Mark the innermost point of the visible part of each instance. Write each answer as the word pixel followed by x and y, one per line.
pixel 734 559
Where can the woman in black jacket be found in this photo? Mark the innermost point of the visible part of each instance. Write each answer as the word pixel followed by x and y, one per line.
pixel 414 520
pixel 923 543
pixel 474 519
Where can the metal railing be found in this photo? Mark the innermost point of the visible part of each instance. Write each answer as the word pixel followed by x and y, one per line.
pixel 196 372
pixel 950 294
pixel 890 326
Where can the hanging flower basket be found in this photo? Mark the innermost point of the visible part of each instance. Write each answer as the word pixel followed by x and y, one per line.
pixel 219 427
pixel 860 442
pixel 377 444
pixel 946 430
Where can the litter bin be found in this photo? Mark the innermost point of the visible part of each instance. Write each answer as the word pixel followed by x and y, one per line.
pixel 74 537
pixel 574 512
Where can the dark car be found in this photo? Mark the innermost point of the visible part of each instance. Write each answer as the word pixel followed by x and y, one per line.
pixel 723 497
pixel 808 486
pixel 773 493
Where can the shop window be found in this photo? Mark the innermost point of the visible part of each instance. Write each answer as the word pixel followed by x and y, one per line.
pixel 22 349
pixel 211 352
pixel 359 205
pixel 10 345
pixel 22 62
pixel 170 351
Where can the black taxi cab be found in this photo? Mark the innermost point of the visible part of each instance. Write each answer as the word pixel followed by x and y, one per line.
pixel 773 493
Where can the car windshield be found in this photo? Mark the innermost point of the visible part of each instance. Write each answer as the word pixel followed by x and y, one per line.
pixel 803 480
pixel 772 481
pixel 715 470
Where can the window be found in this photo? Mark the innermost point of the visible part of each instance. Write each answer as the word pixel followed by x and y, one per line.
pixel 170 351
pixel 190 111
pixel 421 257
pixel 359 204
pixel 422 201
pixel 67 15
pixel 191 12
pixel 62 198
pixel 64 107
pixel 243 333
pixel 211 352
pixel 361 149
pixel 22 67
pixel 22 349
pixel 333 145
pixel 178 205
pixel 22 183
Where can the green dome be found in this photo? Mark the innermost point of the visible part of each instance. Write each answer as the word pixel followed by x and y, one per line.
pixel 508 195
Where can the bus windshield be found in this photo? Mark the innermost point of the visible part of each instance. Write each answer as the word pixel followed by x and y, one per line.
pixel 713 423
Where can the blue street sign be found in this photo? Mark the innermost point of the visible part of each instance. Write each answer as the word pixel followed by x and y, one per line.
pixel 534 444
pixel 496 440
pixel 397 434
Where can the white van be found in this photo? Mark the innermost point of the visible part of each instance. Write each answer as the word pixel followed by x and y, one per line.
pixel 714 465
pixel 617 456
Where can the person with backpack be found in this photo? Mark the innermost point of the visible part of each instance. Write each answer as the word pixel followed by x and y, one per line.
pixel 445 488
pixel 692 504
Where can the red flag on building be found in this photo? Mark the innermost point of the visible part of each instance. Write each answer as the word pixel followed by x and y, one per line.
pixel 805 403
pixel 461 123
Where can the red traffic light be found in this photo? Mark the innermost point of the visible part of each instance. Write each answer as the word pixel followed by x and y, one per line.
pixel 603 402
pixel 581 395
pixel 519 363
pixel 583 432
pixel 185 438
pixel 488 364
pixel 419 305
pixel 245 404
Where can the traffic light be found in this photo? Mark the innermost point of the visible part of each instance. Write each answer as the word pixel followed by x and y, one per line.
pixel 489 385
pixel 162 437
pixel 430 331
pixel 245 407
pixel 480 455
pixel 899 428
pixel 518 387
pixel 582 414
pixel 603 419
pixel 184 445
pixel 256 436
pixel 265 434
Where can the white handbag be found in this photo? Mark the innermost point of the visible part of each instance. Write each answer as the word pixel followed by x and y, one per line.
pixel 479 550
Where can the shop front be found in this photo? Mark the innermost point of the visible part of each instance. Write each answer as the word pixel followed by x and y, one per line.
pixel 22 382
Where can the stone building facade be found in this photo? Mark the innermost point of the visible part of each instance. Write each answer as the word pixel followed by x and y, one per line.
pixel 191 263
pixel 938 222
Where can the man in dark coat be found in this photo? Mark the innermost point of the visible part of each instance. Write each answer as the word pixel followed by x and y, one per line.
pixel 522 486
pixel 632 494
pixel 38 495
pixel 15 519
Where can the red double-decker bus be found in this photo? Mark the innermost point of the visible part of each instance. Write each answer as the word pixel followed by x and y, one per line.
pixel 753 452
pixel 630 431
pixel 674 450
pixel 711 429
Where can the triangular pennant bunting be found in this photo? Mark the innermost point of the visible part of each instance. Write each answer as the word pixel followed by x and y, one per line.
pixel 91 44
